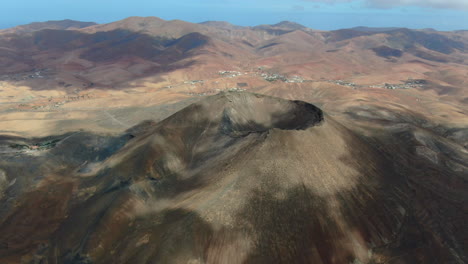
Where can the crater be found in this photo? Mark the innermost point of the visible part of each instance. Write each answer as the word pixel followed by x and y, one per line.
pixel 249 113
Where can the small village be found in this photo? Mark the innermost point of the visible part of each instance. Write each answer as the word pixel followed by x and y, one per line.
pixel 54 103
pixel 408 84
pixel 343 83
pixel 23 76
pixel 233 89
pixel 230 74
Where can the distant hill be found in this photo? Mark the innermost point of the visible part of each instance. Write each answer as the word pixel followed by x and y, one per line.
pixel 53 24
pixel 220 24
pixel 289 25
pixel 374 29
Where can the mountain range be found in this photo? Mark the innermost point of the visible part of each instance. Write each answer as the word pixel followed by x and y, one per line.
pixel 138 47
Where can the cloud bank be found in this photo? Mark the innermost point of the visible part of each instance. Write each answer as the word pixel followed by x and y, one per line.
pixel 447 4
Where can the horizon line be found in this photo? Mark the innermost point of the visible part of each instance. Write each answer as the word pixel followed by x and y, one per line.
pixel 225 21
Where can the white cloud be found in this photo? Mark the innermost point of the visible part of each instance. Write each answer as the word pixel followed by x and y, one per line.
pixel 450 4
pixel 455 4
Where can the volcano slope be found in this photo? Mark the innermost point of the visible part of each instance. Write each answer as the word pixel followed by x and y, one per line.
pixel 234 178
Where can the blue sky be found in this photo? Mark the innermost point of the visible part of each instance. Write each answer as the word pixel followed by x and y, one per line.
pixel 317 14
